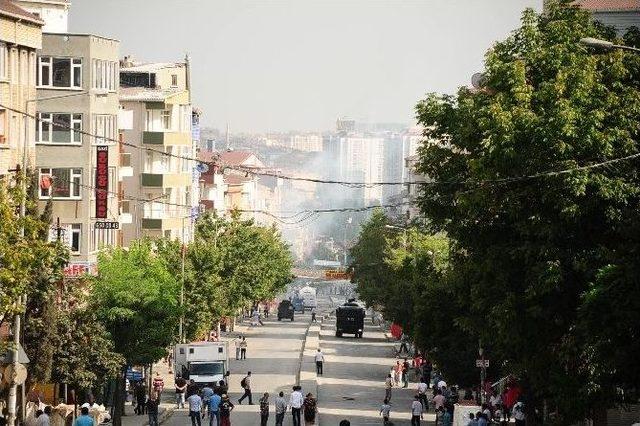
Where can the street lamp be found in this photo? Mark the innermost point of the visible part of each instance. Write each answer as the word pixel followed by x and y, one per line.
pixel 605 45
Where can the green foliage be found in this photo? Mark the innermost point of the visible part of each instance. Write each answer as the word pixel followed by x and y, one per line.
pixel 536 262
pixel 136 297
pixel 231 264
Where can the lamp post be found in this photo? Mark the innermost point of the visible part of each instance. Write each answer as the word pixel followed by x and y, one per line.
pixel 605 45
pixel 483 373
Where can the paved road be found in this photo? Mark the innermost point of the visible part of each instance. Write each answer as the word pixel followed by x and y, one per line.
pixel 353 384
pixel 273 357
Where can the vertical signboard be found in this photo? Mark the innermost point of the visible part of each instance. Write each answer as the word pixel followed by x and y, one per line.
pixel 102 181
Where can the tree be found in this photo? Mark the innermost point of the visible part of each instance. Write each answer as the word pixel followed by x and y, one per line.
pixel 23 259
pixel 535 253
pixel 135 296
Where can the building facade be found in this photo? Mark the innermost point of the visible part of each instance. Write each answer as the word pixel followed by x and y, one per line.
pixel 20 37
pixel 54 13
pixel 77 79
pixel 157 99
pixel 619 14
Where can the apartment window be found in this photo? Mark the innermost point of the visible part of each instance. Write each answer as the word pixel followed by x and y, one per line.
pixel 125 206
pixel 59 128
pixel 3 126
pixel 4 61
pixel 174 80
pixel 104 74
pixel 74 241
pixel 165 119
pixel 105 127
pixel 61 183
pixel 186 164
pixel 60 72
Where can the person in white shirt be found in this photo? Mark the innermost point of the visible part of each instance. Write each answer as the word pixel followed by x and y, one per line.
pixel 44 419
pixel 422 393
pixel 518 413
pixel 195 409
pixel 236 342
pixel 388 384
pixel 385 411
pixel 319 360
pixel 416 411
pixel 295 402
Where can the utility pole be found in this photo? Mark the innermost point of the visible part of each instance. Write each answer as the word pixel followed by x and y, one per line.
pixel 12 403
pixel 483 373
pixel 184 249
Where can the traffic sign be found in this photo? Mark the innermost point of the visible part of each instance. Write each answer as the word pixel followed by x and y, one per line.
pixel 107 225
pixel 480 362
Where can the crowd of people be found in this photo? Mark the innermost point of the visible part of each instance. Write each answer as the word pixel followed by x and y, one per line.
pixel 214 404
pixel 499 408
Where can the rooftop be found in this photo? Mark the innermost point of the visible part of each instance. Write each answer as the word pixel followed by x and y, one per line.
pixel 234 179
pixel 145 94
pixel 10 9
pixel 151 67
pixel 235 158
pixel 610 5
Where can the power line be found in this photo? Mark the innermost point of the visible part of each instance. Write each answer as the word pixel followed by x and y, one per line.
pixel 253 171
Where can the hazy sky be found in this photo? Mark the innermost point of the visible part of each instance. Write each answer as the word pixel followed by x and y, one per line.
pixel 299 64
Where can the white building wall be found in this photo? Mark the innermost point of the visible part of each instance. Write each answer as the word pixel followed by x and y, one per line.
pixel 55 14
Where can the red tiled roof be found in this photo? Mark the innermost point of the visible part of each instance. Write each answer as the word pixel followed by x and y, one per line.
pixel 9 8
pixel 234 179
pixel 609 5
pixel 207 156
pixel 234 158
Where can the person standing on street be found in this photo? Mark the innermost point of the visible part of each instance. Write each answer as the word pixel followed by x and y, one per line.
pixel 236 342
pixel 84 419
pixel 195 409
pixel 313 315
pixel 158 383
pixel 181 388
pixel 319 361
pixel 310 409
pixel 44 419
pixel 405 373
pixel 388 384
pixel 416 412
pixel 246 385
pixel 397 370
pixel 226 407
pixel 385 411
pixel 214 409
pixel 422 394
pixel 264 409
pixel 518 413
pixel 207 393
pixel 295 402
pixel 281 408
pixel 152 408
pixel 243 348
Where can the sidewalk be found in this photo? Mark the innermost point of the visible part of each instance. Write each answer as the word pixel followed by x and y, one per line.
pixel 167 400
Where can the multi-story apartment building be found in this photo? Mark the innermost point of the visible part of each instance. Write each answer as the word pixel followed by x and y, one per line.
pixel 54 13
pixel 308 142
pixel 212 185
pixel 157 95
pixel 361 159
pixel 20 36
pixel 77 78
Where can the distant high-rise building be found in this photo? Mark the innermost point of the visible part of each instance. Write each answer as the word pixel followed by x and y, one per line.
pixel 311 142
pixel 361 159
pixel 345 125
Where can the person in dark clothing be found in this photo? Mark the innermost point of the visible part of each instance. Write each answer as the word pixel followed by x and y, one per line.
pixel 141 398
pixel 152 410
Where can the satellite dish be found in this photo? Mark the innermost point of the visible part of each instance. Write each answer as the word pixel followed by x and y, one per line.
pixel 478 80
pixel 202 168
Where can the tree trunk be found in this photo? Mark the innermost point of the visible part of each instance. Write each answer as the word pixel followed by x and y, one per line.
pixel 118 398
